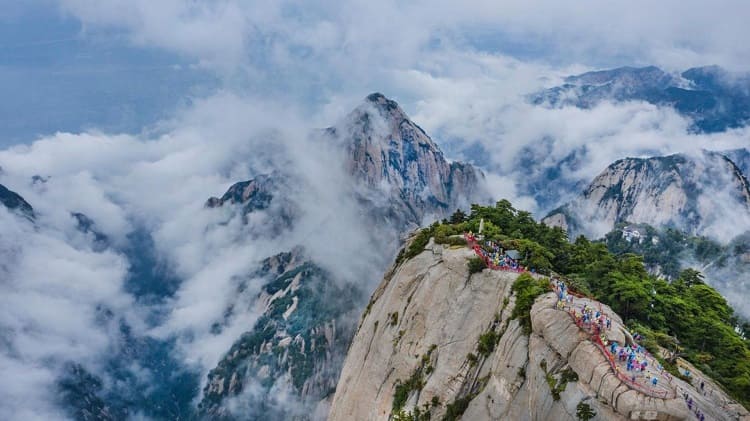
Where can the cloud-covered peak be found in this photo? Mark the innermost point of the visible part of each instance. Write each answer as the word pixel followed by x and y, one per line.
pixel 697 193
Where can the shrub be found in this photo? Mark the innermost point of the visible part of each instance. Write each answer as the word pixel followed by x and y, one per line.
pixel 457 408
pixel 487 342
pixel 416 246
pixel 584 412
pixel 526 289
pixel 394 319
pixel 476 265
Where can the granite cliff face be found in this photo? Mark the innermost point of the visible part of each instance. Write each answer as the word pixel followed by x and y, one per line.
pixel 420 342
pixel 402 170
pixel 696 194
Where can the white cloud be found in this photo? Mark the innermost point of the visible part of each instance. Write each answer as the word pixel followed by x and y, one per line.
pixel 369 37
pixel 50 295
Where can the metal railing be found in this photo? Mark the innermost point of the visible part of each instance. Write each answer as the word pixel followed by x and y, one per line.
pixel 597 341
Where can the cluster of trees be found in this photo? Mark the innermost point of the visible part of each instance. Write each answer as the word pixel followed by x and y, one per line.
pixel 684 314
pixel 670 248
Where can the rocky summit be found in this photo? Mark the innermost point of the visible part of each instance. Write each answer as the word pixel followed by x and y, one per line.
pixel 694 193
pixel 402 169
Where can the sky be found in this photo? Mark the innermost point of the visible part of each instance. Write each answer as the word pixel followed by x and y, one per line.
pixel 136 111
pixel 122 66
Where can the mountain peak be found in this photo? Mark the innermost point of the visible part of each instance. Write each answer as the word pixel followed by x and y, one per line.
pixel 695 193
pixel 386 148
pixel 388 108
pixel 378 99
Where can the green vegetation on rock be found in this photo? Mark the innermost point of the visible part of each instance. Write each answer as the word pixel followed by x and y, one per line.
pixel 584 411
pixel 414 383
pixel 487 342
pixel 557 386
pixel 526 289
pixel 475 265
pixel 456 409
pixel 685 309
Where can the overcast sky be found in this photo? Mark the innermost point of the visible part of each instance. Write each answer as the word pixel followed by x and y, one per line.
pixel 120 65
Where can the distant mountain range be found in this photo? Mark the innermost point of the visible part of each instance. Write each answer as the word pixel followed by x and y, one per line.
pixel 712 97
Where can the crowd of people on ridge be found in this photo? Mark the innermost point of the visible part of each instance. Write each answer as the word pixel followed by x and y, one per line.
pixel 495 256
pixel 634 357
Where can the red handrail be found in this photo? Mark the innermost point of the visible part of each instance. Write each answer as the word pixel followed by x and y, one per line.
pixel 471 242
pixel 613 365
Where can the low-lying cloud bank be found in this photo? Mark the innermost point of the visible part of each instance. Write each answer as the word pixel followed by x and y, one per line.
pixel 64 298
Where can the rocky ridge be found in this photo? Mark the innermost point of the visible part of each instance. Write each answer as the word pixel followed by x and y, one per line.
pixel 14 202
pixel 420 343
pixel 296 345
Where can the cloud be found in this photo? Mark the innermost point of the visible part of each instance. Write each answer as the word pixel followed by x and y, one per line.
pixel 51 293
pixel 59 282
pixel 213 32
pixel 323 37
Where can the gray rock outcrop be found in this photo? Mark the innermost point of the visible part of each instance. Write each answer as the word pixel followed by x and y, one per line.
pixel 696 194
pixel 401 169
